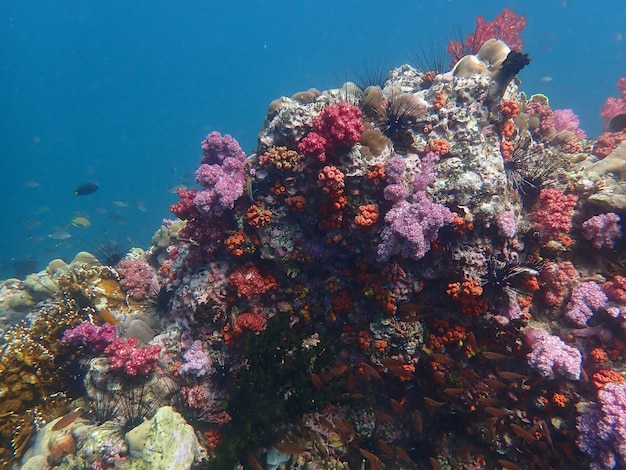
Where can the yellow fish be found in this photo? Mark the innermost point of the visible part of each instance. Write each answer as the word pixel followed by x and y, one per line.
pixel 80 221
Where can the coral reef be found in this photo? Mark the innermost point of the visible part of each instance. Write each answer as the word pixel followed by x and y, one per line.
pixel 425 273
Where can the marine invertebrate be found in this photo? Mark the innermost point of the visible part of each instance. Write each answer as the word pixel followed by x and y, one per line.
pixel 35 374
pixel 602 428
pixel 367 215
pixel 550 354
pixel 95 337
pixel 337 127
pixel 506 26
pixel 137 278
pixel 110 252
pixel 411 224
pixel 567 120
pixel 529 168
pixel 124 355
pixel 396 114
pixel 281 159
pixel 249 321
pixel 602 230
pixel 249 283
pixel 221 174
pixel 196 360
pixel 586 298
pixel 553 216
pixel 556 279
pixel 614 106
pixel 258 216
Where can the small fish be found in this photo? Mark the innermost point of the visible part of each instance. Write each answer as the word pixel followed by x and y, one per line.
pixel 497 412
pixel 494 356
pixel 141 206
pixel 316 380
pixel 31 184
pixel 434 403
pixel 60 235
pixel 80 221
pixel 67 419
pixel 115 217
pixel 375 462
pixel 546 79
pixel 108 316
pixel 120 203
pixel 85 188
pixel 30 224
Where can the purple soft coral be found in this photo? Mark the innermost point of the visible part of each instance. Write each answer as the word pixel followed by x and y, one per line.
pixel 587 297
pixel 196 360
pixel 221 174
pixel 549 353
pixel 602 230
pixel 98 337
pixel 412 223
pixel 603 428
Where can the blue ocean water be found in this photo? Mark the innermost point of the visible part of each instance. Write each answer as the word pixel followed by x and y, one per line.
pixel 124 92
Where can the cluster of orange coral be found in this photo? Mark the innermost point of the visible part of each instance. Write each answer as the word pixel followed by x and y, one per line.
pixel 239 243
pixel 342 303
pixel 439 146
pixel 468 293
pixel 440 100
pixel 559 400
pixel 297 202
pixel 387 300
pixel 280 158
pixel 331 180
pixel 509 110
pixel 363 339
pixel 606 376
pixel 258 216
pixel 531 284
pixel 599 355
pixel 278 189
pixel 462 225
pixel 377 175
pixel 367 216
pixel 447 335
pixel 213 438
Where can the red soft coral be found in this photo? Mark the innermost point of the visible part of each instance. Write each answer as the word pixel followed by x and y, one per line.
pixel 338 126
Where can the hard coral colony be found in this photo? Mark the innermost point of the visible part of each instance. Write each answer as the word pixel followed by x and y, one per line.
pixel 381 285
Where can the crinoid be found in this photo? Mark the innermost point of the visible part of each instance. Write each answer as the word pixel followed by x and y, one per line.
pixel 531 167
pixel 111 252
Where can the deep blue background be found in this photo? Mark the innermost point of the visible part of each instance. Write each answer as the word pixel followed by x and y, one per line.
pixel 124 92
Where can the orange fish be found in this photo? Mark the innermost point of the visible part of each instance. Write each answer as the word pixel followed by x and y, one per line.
pixel 316 381
pixel 108 317
pixel 434 403
pixel 494 356
pixel 373 459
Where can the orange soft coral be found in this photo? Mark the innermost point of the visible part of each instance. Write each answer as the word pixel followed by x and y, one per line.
pixel 367 216
pixel 258 216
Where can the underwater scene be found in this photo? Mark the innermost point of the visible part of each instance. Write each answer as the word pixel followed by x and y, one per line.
pixel 327 237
